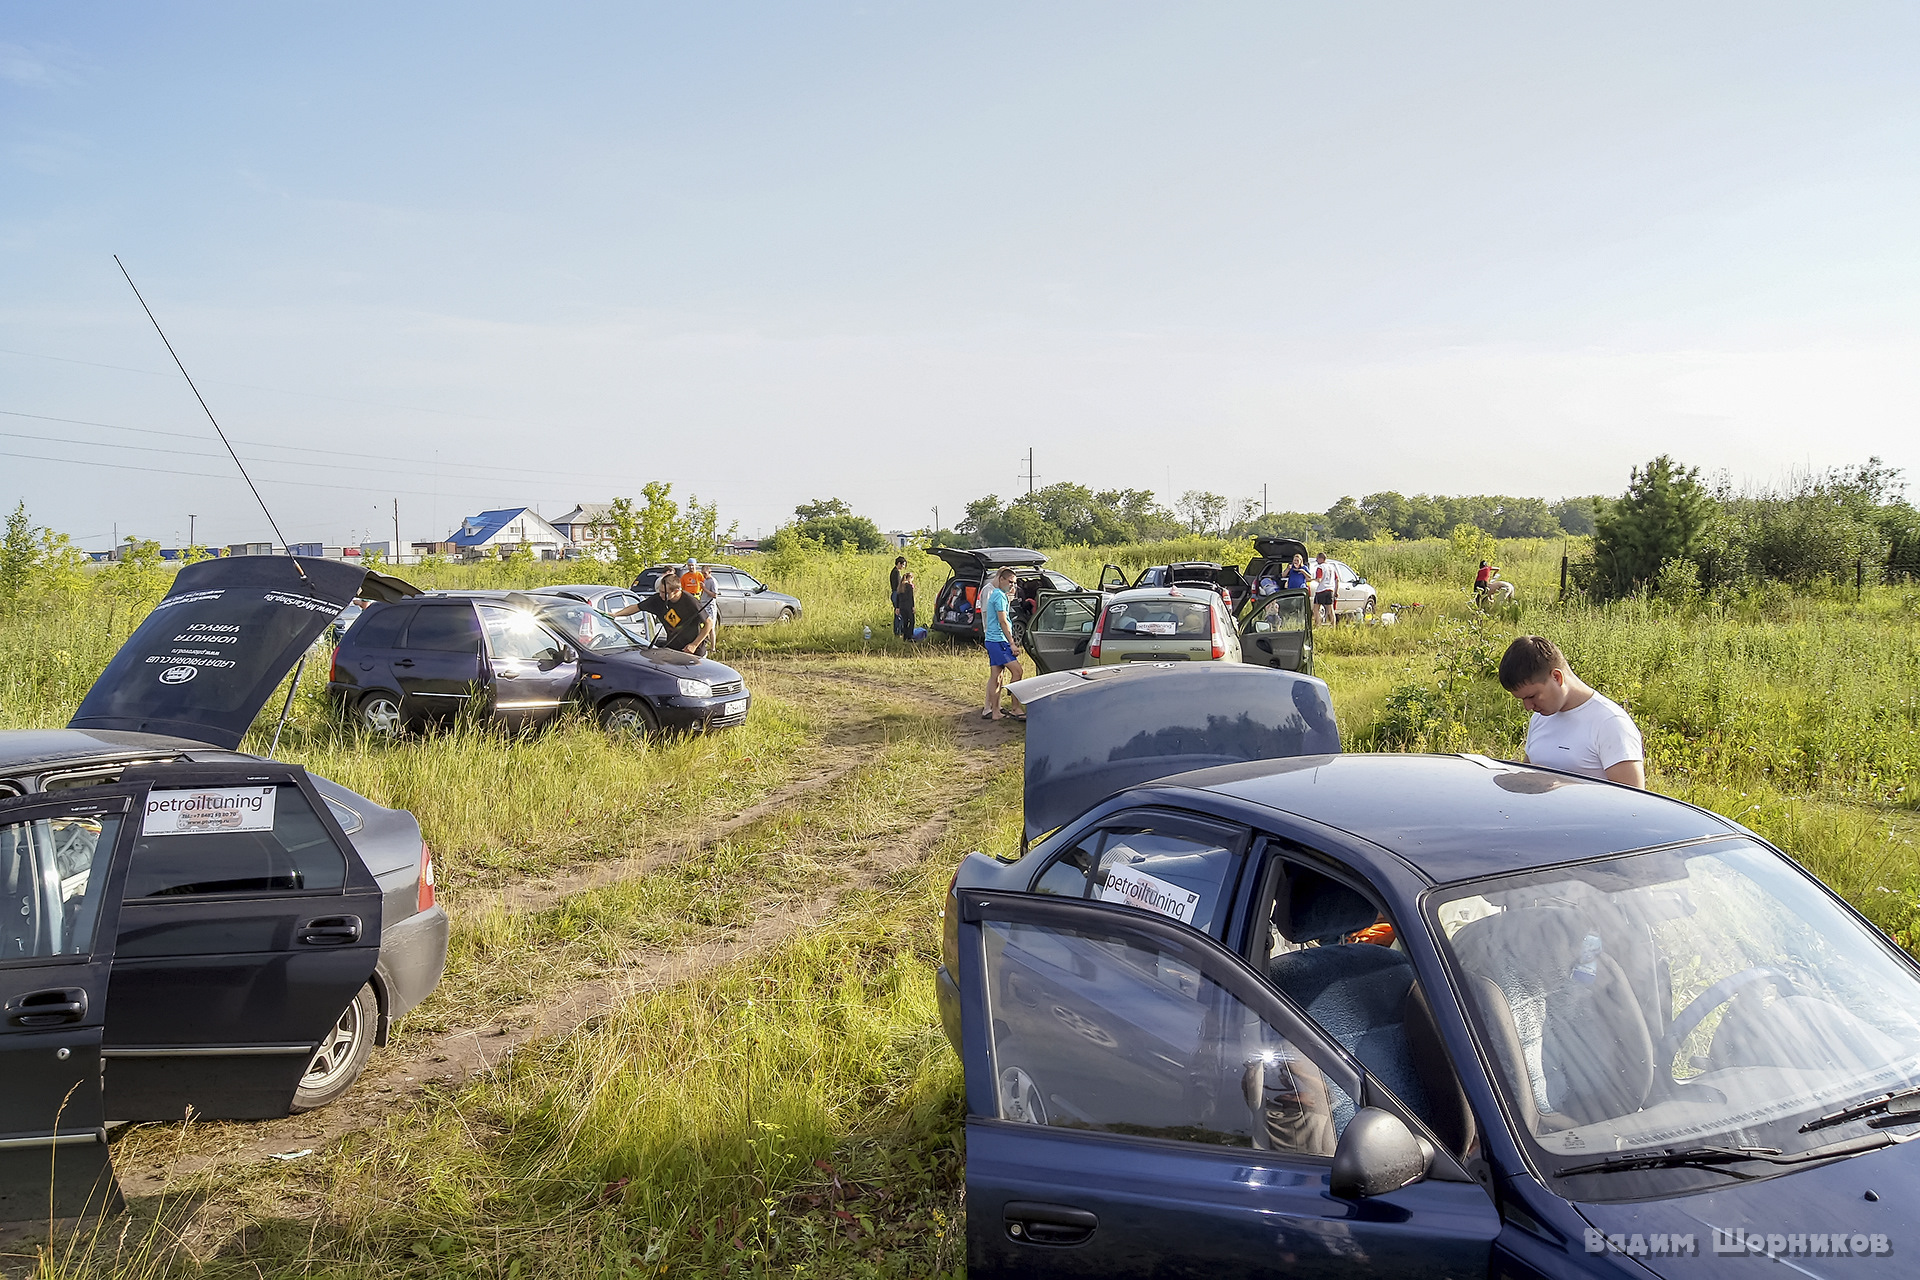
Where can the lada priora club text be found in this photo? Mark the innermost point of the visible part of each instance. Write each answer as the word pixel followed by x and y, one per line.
pixel 188 928
pixel 1247 1006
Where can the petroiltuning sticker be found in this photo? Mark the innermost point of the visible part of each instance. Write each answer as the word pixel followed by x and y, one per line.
pixel 180 813
pixel 1138 889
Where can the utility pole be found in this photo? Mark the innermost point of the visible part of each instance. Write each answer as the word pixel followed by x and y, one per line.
pixel 190 519
pixel 1029 473
pixel 396 531
pixel 1263 500
pixel 936 519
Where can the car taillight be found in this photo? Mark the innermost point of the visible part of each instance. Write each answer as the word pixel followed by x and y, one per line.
pixel 1099 629
pixel 1219 647
pixel 334 675
pixel 426 876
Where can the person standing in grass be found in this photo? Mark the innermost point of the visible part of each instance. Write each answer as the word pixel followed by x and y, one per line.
pixel 903 606
pixel 893 594
pixel 689 623
pixel 996 625
pixel 1326 581
pixel 1574 726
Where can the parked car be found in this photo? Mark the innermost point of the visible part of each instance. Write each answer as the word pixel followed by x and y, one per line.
pixel 1300 1012
pixel 215 930
pixel 345 619
pixel 1224 579
pixel 1353 594
pixel 519 659
pixel 1169 624
pixel 956 606
pixel 742 599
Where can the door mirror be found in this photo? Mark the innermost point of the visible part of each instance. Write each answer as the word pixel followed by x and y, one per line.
pixel 1377 1154
pixel 569 654
pixel 758 587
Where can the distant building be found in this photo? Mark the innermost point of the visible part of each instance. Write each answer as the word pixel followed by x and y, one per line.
pixel 499 533
pixel 586 525
pixel 250 549
pixel 321 551
pixel 741 546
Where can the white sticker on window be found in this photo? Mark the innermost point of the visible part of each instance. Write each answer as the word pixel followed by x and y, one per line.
pixel 1150 893
pixel 180 813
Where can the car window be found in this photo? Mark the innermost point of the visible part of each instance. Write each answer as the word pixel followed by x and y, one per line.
pixel 379 628
pixel 1182 876
pixel 615 602
pixel 1067 613
pixel 748 582
pixel 725 580
pixel 1160 620
pixel 445 628
pixel 512 633
pixel 1117 1032
pixel 1279 613
pixel 53 872
pixel 250 839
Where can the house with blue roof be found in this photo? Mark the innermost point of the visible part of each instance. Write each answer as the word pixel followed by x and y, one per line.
pixel 500 533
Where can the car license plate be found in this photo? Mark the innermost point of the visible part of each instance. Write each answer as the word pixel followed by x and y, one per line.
pixel 734 708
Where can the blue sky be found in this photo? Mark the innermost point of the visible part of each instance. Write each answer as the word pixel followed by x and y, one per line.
pixel 470 256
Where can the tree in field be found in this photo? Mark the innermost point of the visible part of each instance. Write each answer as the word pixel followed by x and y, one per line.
pixel 1662 517
pixel 1576 514
pixel 662 530
pixel 831 523
pixel 1204 511
pixel 18 556
pixel 1346 521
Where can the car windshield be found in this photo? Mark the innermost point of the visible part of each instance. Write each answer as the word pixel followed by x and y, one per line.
pixel 1709 995
pixel 1159 620
pixel 587 627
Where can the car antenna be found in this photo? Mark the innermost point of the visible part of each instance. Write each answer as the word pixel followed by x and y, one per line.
pixel 275 524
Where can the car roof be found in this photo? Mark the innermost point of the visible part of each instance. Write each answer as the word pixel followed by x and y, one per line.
pixel 1460 817
pixel 1188 591
pixel 29 750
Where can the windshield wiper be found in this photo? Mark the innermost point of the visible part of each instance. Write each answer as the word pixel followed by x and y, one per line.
pixel 1902 1107
pixel 1710 1157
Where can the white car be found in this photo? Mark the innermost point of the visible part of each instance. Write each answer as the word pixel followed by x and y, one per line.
pixel 1353 594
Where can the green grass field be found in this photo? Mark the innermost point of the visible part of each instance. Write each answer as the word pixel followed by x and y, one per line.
pixel 796 1113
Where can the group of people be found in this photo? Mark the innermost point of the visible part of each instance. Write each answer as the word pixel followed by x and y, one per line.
pixel 1322 573
pixel 900 591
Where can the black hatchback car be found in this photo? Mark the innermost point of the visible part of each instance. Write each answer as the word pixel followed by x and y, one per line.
pixel 518 660
pixel 187 926
pixel 956 608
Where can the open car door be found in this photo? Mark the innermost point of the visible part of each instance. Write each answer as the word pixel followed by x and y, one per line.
pixel 249 925
pixel 1140 1103
pixel 1277 631
pixel 62 858
pixel 1061 628
pixel 1113 578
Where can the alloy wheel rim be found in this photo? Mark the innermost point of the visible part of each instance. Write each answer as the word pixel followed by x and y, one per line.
pixel 381 717
pixel 330 1060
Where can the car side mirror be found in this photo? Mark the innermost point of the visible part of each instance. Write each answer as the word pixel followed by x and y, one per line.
pixel 762 587
pixel 567 654
pixel 1377 1154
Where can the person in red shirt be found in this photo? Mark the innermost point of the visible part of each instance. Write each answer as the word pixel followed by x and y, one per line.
pixel 1480 580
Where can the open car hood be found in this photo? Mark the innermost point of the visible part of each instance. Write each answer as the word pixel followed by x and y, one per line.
pixel 1096 731
pixel 980 559
pixel 213 650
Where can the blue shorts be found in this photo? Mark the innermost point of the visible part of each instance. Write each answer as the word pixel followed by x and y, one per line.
pixel 1000 653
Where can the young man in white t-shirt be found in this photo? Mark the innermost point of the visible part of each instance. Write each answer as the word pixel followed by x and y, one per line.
pixel 1574 727
pixel 1326 584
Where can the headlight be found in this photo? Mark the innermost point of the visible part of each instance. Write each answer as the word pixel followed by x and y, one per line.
pixel 695 689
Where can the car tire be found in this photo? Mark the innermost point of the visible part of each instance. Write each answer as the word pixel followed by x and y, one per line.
pixel 786 615
pixel 342 1054
pixel 629 716
pixel 1367 610
pixel 379 714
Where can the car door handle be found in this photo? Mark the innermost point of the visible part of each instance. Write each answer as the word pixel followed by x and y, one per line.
pixel 330 931
pixel 48 1008
pixel 1039 1223
pixel 403 662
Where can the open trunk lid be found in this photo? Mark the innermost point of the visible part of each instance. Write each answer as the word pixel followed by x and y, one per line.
pixel 213 650
pixel 977 560
pixel 1093 732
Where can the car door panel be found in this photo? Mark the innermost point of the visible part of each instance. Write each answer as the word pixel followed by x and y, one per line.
pixel 1061 629
pixel 61 860
pixel 439 669
pixel 1113 578
pixel 532 676
pixel 223 986
pixel 1277 631
pixel 1142 1104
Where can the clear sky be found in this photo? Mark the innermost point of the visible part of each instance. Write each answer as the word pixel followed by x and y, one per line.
pixel 471 255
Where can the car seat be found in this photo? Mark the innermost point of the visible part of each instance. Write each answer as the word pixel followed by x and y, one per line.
pixel 1567 1027
pixel 1355 991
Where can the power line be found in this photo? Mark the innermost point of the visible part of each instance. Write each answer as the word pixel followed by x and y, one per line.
pixel 202 475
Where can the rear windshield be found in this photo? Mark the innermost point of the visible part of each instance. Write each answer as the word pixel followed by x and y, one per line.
pixel 1160 620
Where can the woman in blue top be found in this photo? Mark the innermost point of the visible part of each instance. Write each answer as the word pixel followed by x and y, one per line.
pixel 1297 573
pixel 996 626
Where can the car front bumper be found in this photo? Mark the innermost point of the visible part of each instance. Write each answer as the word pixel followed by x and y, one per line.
pixel 704 713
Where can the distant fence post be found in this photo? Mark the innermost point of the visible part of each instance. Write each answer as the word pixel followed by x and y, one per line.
pixel 1563 576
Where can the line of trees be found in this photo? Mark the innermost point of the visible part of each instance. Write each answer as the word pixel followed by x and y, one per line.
pixel 1071 514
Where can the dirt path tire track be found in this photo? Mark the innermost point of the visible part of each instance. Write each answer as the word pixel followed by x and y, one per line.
pixel 447 1058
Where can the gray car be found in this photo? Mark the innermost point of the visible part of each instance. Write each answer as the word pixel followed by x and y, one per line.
pixel 743 600
pixel 227 932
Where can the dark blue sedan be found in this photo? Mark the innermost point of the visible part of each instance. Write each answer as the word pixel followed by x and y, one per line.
pixel 1246 1006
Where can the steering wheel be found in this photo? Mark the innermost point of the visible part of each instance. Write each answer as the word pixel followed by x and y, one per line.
pixel 1705 1003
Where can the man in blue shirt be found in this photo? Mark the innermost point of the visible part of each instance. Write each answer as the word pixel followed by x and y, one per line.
pixel 997 629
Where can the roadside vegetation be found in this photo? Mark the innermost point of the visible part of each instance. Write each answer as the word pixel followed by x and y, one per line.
pixel 796 1112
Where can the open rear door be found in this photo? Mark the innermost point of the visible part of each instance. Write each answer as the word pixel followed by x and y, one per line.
pixel 62 859
pixel 1113 578
pixel 1277 631
pixel 1061 628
